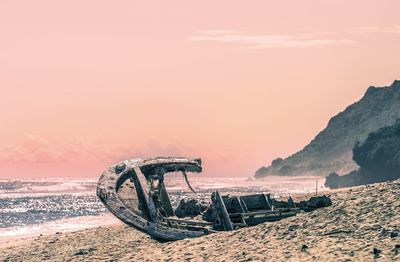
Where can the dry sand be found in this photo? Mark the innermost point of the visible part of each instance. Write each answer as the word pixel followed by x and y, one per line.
pixel 360 220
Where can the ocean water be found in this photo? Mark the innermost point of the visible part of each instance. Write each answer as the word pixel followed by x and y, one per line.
pixel 47 206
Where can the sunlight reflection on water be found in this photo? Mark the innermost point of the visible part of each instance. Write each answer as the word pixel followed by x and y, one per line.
pixel 39 207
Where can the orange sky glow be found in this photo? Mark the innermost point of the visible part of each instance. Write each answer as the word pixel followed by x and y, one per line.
pixel 87 83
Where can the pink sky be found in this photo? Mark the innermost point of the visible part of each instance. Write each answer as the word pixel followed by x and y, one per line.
pixel 87 83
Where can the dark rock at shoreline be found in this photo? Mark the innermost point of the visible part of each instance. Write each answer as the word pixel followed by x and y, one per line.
pixel 314 202
pixel 190 208
pixel 334 181
pixel 378 157
pixel 210 215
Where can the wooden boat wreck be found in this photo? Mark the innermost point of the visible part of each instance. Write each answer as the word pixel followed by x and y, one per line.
pixel 134 191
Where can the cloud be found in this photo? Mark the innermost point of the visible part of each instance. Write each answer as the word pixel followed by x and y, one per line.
pixel 35 156
pixel 251 41
pixel 37 150
pixel 379 29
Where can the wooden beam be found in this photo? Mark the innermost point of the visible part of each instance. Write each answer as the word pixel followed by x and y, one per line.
pixel 222 212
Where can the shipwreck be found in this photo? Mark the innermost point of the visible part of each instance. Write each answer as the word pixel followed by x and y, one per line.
pixel 134 191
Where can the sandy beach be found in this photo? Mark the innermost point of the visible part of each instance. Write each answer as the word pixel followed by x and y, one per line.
pixel 363 224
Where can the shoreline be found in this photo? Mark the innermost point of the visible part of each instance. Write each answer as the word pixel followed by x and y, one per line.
pixel 76 224
pixel 8 236
pixel 362 224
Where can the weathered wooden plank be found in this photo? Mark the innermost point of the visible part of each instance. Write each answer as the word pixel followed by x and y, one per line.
pixel 194 222
pixel 149 208
pixel 222 212
pixel 146 220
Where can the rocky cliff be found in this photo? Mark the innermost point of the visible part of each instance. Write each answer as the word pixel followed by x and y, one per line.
pixel 331 150
pixel 378 157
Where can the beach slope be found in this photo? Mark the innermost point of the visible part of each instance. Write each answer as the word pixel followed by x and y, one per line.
pixel 363 224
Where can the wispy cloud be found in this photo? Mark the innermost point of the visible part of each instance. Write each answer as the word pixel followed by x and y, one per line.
pixel 37 150
pixel 251 41
pixel 379 29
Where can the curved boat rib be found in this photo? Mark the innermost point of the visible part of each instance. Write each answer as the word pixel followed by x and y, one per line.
pixel 134 191
pixel 141 173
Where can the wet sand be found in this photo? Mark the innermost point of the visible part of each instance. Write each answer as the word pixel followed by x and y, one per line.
pixel 363 224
